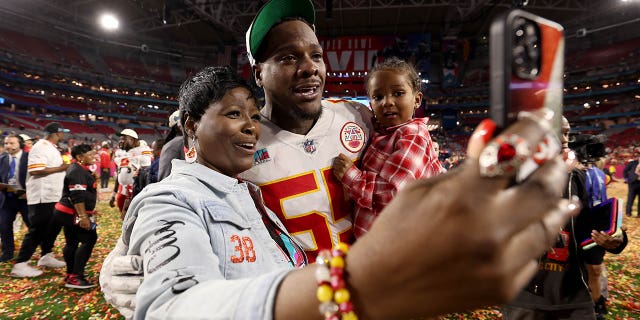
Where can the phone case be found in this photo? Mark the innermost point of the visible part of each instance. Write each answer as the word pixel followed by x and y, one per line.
pixel 526 67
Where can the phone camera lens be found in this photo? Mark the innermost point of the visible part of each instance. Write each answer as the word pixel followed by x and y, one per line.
pixel 526 48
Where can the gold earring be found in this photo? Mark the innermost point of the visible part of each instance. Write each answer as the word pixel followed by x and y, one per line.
pixel 191 155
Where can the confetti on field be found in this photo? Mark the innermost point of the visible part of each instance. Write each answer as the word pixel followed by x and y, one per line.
pixel 46 297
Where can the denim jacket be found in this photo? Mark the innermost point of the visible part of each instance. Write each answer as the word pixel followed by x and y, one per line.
pixel 195 230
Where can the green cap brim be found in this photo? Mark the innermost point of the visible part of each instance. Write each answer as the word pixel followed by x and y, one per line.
pixel 270 14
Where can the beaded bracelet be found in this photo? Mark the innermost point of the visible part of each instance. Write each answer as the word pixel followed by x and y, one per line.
pixel 334 297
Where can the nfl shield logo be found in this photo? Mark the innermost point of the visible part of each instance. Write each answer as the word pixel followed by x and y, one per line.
pixel 309 146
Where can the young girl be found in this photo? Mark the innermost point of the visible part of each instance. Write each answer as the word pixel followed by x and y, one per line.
pixel 401 149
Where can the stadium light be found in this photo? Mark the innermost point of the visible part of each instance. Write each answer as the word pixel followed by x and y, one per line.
pixel 109 22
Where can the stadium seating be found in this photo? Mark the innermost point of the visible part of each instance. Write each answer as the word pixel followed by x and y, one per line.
pixel 606 74
pixel 130 68
pixel 160 72
pixel 28 45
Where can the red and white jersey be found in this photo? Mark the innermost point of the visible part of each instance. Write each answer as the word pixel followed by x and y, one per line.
pixel 296 178
pixel 128 164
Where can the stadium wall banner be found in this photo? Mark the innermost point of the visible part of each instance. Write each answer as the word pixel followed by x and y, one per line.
pixel 358 54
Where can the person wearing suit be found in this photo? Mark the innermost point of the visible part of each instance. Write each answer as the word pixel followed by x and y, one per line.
pixel 13 175
pixel 632 179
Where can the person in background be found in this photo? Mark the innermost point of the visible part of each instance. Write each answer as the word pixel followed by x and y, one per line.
pixel 436 147
pixel 135 158
pixel 156 148
pixel 75 212
pixel 13 176
pixel 28 142
pixel 632 179
pixel 401 149
pixel 559 290
pixel 105 165
pixel 66 155
pixel 44 184
pixel 173 147
pixel 590 151
pixel 609 168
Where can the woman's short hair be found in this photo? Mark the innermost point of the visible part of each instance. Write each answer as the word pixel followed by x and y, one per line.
pixel 80 150
pixel 206 87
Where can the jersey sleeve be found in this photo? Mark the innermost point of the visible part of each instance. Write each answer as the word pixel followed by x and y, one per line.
pixel 145 157
pixel 37 159
pixel 77 185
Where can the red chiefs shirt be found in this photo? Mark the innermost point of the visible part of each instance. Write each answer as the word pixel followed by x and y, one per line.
pixel 105 158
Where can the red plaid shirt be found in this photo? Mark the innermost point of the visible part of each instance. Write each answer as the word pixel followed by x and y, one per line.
pixel 396 156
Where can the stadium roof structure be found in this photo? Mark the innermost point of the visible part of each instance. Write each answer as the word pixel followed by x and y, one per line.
pixel 196 27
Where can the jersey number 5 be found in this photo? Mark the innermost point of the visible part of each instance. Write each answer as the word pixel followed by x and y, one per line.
pixel 314 222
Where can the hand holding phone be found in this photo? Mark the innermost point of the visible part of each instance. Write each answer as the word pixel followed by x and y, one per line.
pixel 527 67
pixel 527 70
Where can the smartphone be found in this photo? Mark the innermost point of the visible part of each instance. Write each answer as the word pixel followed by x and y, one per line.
pixel 526 67
pixel 92 221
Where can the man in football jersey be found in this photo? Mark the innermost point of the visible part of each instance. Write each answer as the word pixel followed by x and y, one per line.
pixel 301 133
pixel 137 156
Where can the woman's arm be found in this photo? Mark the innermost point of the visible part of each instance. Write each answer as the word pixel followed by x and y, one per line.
pixel 84 222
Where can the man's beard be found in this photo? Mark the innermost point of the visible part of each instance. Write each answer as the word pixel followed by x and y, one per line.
pixel 304 115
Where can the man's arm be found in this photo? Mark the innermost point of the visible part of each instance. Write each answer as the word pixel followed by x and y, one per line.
pixel 613 244
pixel 112 201
pixel 48 171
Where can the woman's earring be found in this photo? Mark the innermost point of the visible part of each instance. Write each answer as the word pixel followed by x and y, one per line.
pixel 191 154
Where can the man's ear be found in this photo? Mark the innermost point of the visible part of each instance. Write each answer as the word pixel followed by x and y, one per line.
pixel 256 70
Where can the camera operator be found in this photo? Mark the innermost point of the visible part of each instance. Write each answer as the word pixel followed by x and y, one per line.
pixel 590 150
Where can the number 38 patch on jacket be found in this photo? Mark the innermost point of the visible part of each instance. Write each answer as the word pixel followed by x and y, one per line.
pixel 352 137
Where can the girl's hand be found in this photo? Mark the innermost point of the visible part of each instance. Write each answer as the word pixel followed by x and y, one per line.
pixel 341 164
